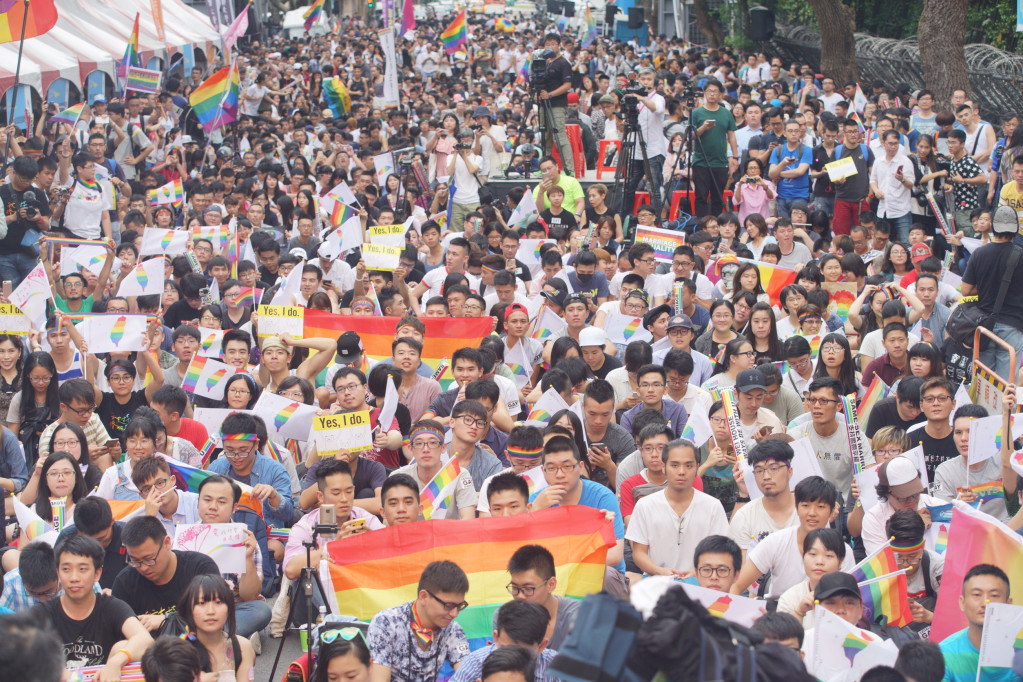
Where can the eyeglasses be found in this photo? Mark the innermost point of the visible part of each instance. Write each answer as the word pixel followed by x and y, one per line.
pixel 774 469
pixel 237 454
pixel 708 571
pixel 159 484
pixel 82 412
pixel 424 445
pixel 135 563
pixel 832 349
pixel 802 364
pixel 908 498
pixel 655 384
pixel 824 402
pixel 651 449
pixel 449 606
pixel 748 353
pixel 908 559
pixel 554 468
pixel 648 261
pixel 889 452
pixel 719 420
pixel 682 264
pixel 60 474
pixel 43 596
pixel 349 388
pixel 525 590
pixel 347 634
pixel 940 399
pixel 240 391
pixel 119 377
pixel 59 445
pixel 469 420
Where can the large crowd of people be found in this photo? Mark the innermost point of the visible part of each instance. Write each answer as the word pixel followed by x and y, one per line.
pixel 687 436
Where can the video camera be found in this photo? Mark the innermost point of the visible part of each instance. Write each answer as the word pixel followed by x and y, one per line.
pixel 30 203
pixel 539 66
pixel 630 105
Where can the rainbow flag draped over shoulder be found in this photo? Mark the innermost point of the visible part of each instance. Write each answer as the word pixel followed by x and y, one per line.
pixel 336 95
pixel 455 35
pixel 443 335
pixel 42 15
pixel 131 51
pixel 215 101
pixel 773 278
pixel 188 478
pixel 312 14
pixel 375 571
pixel 888 596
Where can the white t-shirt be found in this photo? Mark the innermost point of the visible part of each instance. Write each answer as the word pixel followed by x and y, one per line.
pixel 655 285
pixel 434 279
pixel 340 273
pixel 84 212
pixel 466 185
pixel 831 100
pixel 250 106
pixel 655 524
pixel 752 523
pixel 505 61
pixel 779 554
pixel 876 518
pixel 872 345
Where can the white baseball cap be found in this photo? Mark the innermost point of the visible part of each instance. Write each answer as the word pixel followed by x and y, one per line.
pixel 592 336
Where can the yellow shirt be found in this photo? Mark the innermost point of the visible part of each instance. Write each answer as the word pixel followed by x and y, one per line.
pixel 1012 196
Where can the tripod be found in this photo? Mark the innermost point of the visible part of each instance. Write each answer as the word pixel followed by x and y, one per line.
pixel 545 114
pixel 307 581
pixel 623 171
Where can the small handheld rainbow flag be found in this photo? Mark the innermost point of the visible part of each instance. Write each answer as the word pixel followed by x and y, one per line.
pixel 173 193
pixel 248 296
pixel 879 563
pixel 340 213
pixel 877 391
pixel 207 451
pixel 215 101
pixel 312 14
pixel 887 595
pixel 70 115
pixel 455 36
pixel 131 51
pixel 336 95
pixel 436 497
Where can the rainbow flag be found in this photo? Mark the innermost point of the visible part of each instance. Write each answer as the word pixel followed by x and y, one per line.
pixel 70 115
pixel 249 296
pixel 207 451
pixel 888 596
pixel 122 509
pixel 985 492
pixel 455 35
pixel 41 16
pixel 877 391
pixel 131 51
pixel 436 496
pixel 336 95
pixel 591 28
pixel 173 193
pixel 129 673
pixel 215 101
pixel 443 335
pixel 281 534
pixel 340 213
pixel 879 563
pixel 773 278
pixel 188 478
pixel 312 14
pixel 276 452
pixel 375 571
pixel 193 373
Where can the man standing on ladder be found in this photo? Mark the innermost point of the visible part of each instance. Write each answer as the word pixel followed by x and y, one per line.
pixel 651 125
pixel 555 91
pixel 715 137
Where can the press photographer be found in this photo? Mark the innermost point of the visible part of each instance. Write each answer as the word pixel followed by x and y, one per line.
pixel 648 113
pixel 463 166
pixel 25 209
pixel 551 75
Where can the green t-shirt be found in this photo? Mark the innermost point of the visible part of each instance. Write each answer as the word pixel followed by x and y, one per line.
pixel 573 191
pixel 62 306
pixel 711 148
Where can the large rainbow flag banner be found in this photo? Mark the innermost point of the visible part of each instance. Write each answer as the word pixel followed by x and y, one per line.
pixel 888 596
pixel 664 242
pixel 42 15
pixel 773 278
pixel 215 101
pixel 974 538
pixel 188 478
pixel 443 335
pixel 454 36
pixel 378 570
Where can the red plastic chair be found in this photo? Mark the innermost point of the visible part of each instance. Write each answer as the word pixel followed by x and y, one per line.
pixel 676 200
pixel 642 198
pixel 575 140
pixel 602 154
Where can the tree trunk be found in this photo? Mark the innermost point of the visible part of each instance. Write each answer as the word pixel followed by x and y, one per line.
pixel 745 29
pixel 838 47
pixel 708 25
pixel 941 36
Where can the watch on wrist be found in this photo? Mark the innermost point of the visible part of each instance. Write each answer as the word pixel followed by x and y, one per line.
pixel 744 500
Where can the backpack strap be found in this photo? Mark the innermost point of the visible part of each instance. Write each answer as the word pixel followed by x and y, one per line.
pixel 1010 270
pixel 976 140
pixel 925 568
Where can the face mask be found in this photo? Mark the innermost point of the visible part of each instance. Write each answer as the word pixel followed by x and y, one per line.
pixel 584 278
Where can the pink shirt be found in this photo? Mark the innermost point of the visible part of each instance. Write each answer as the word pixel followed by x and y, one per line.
pixel 754 200
pixel 303 531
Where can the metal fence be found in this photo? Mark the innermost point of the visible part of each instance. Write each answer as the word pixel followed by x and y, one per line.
pixel 996 77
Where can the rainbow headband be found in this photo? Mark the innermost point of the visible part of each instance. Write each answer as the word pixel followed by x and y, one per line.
pixel 487 268
pixel 906 549
pixel 524 454
pixel 241 436
pixel 809 316
pixel 425 431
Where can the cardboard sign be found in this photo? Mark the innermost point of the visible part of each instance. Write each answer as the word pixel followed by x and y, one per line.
pixel 275 320
pixel 380 257
pixel 348 430
pixel 387 235
pixel 843 168
pixel 13 321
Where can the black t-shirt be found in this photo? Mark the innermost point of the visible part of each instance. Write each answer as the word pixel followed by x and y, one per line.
pixel 958 362
pixel 269 277
pixel 116 416
pixel 985 270
pixel 89 641
pixel 369 476
pixel 145 597
pixel 610 363
pixel 564 219
pixel 886 413
pixel 113 556
pixel 16 230
pixel 822 186
pixel 936 450
pixel 179 312
pixel 559 71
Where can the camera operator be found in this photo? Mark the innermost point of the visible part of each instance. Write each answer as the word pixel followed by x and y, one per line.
pixel 651 125
pixel 490 140
pixel 25 208
pixel 554 90
pixel 715 152
pixel 463 166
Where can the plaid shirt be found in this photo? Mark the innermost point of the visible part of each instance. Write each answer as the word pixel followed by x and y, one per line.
pixel 16 598
pixel 95 433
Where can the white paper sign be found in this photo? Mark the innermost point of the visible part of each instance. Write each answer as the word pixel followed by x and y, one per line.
pixel 213 419
pixel 625 329
pixel 211 342
pixel 207 377
pixel 157 241
pixel 733 608
pixel 284 417
pixel 114 333
pixel 222 542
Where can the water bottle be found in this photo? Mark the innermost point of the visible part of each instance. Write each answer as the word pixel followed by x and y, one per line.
pixel 321 616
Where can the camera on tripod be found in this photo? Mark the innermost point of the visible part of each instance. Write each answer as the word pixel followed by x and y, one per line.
pixel 630 105
pixel 538 67
pixel 691 94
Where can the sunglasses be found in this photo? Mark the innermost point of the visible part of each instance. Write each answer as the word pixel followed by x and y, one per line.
pixel 347 634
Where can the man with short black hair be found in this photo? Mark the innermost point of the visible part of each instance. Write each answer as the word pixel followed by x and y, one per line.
pixel 717 152
pixel 895 362
pixel 901 410
pixel 533 579
pixel 937 400
pixel 33 581
pixel 771 463
pixel 717 560
pixel 517 622
pixel 16 260
pixel 984 584
pixel 399 500
pixel 599 423
pixel 160 574
pixel 93 518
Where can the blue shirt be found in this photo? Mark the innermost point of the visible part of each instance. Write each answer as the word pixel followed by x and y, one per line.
pixel 674 412
pixel 598 496
pixel 471 667
pixel 793 188
pixel 12 460
pixel 962 658
pixel 264 470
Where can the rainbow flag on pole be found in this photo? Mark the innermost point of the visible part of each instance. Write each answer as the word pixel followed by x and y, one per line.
pixel 131 51
pixel 337 97
pixel 375 571
pixel 773 278
pixel 888 596
pixel 70 115
pixel 591 28
pixel 340 213
pixel 877 391
pixel 436 497
pixel 42 15
pixel 455 35
pixel 879 563
pixel 215 101
pixel 312 14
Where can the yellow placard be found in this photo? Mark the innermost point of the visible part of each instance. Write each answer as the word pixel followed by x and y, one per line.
pixel 348 430
pixel 843 168
pixel 380 257
pixel 13 321
pixel 275 320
